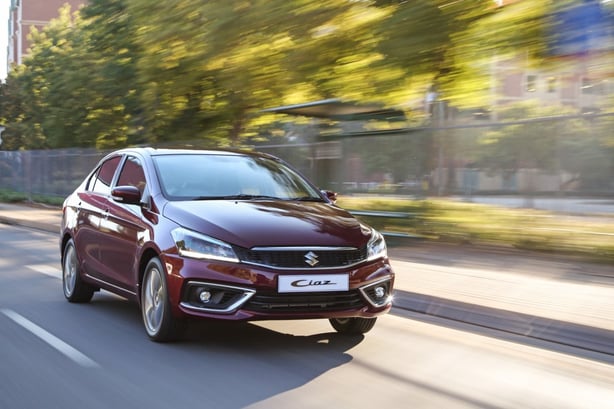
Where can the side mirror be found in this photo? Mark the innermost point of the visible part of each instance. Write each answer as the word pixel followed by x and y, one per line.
pixel 332 196
pixel 127 194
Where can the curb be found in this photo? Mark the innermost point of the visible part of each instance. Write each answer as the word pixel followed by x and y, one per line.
pixel 37 225
pixel 562 333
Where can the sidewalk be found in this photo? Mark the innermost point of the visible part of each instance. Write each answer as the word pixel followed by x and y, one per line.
pixel 559 300
pixel 35 216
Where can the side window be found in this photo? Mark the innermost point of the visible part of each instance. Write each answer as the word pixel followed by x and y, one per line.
pixel 101 180
pixel 132 174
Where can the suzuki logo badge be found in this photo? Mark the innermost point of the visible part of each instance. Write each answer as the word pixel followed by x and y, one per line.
pixel 311 258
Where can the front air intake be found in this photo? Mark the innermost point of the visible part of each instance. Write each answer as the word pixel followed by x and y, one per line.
pixel 378 293
pixel 210 297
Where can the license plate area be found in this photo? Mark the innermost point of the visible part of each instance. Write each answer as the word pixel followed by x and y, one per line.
pixel 307 283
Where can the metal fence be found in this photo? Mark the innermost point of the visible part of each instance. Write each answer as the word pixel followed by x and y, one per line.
pixel 46 172
pixel 571 155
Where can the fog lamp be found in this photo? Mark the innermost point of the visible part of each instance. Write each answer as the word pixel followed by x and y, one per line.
pixel 204 295
pixel 380 292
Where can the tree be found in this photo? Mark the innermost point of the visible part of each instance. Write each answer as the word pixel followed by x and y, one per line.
pixel 136 71
pixel 51 98
pixel 115 116
pixel 209 67
pixel 12 115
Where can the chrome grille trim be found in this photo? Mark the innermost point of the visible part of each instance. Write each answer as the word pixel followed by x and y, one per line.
pixel 293 258
pixel 304 248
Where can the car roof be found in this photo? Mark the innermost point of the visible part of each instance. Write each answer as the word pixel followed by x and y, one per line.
pixel 151 151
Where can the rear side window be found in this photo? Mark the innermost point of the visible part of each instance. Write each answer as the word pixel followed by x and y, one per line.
pixel 132 174
pixel 102 178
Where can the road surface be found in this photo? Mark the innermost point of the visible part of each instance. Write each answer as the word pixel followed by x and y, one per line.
pixel 60 355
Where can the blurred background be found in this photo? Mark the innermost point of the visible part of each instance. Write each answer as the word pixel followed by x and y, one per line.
pixel 470 100
pixel 440 123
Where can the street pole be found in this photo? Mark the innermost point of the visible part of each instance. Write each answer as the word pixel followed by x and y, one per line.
pixel 439 121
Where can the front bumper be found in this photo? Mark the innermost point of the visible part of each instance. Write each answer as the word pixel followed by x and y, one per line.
pixel 220 290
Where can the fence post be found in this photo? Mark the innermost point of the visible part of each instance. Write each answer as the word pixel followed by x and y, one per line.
pixel 27 168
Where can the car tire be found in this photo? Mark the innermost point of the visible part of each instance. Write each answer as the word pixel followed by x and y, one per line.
pixel 352 326
pixel 75 289
pixel 159 322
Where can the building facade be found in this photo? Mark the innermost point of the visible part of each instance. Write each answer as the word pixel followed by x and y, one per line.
pixel 23 17
pixel 579 71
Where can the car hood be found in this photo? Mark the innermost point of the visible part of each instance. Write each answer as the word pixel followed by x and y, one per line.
pixel 270 223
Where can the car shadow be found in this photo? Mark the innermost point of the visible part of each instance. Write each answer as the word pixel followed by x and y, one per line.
pixel 238 364
pixel 213 357
pixel 227 334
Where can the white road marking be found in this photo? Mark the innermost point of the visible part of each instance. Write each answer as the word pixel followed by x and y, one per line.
pixel 50 339
pixel 47 270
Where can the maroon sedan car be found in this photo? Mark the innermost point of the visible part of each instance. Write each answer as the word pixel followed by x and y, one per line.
pixel 220 235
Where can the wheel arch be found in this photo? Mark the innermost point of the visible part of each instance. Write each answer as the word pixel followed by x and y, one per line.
pixel 147 255
pixel 65 239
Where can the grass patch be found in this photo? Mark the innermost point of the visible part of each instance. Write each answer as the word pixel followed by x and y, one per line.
pixel 461 222
pixel 10 196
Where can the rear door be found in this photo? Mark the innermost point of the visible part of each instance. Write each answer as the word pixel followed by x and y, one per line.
pixel 90 213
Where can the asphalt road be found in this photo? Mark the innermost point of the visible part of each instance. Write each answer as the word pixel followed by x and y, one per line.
pixel 59 355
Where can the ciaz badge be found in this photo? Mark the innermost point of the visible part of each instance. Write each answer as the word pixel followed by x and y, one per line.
pixel 313 283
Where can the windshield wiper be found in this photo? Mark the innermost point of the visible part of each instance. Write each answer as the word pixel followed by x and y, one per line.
pixel 237 197
pixel 307 199
pixel 260 197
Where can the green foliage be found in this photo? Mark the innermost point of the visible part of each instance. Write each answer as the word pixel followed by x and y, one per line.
pixel 125 72
pixel 11 196
pixel 114 117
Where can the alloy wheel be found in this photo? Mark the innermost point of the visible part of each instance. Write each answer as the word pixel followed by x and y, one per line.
pixel 70 271
pixel 154 301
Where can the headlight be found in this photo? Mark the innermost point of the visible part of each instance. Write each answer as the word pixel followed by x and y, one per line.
pixel 376 247
pixel 196 245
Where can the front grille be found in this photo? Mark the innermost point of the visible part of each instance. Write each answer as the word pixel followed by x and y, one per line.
pixel 312 302
pixel 291 258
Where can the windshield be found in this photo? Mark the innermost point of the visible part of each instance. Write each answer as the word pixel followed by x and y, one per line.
pixel 239 177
